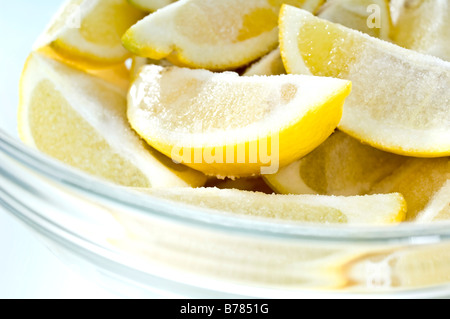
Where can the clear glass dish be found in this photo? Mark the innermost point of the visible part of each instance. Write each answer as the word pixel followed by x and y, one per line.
pixel 140 245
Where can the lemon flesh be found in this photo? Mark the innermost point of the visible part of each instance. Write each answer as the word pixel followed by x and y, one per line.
pixel 85 126
pixel 344 166
pixel 270 64
pixel 356 210
pixel 399 101
pixel 230 126
pixel 212 34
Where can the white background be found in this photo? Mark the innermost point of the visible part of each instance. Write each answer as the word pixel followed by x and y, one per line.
pixel 27 268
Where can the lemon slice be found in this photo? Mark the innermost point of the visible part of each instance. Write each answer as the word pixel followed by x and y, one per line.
pixel 400 97
pixel 339 166
pixel 369 210
pixel 271 64
pixel 231 126
pixel 150 5
pixel 419 181
pixel 369 16
pixel 438 208
pixel 136 64
pixel 214 34
pixel 424 26
pixel 81 120
pixel 90 31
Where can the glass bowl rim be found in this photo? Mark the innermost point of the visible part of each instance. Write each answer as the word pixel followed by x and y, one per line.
pixel 404 233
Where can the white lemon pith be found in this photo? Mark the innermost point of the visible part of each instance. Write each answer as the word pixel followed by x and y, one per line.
pixel 399 101
pixel 85 126
pixel 184 112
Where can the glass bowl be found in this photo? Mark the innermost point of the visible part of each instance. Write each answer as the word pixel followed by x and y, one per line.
pixel 143 246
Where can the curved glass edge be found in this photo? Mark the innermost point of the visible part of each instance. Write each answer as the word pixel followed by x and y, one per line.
pixel 176 212
pixel 117 275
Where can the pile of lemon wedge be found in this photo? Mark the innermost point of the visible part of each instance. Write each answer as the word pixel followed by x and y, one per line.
pixel 307 111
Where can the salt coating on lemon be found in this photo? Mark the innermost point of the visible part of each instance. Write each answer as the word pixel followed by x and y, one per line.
pixel 355 210
pixel 85 126
pixel 231 126
pixel 117 74
pixel 275 110
pixel 438 208
pixel 400 98
pixel 419 180
pixel 211 34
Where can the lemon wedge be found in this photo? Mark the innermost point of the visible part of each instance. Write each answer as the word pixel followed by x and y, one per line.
pixel 355 210
pixel 230 126
pixel 80 120
pixel 117 74
pixel 399 101
pixel 424 26
pixel 90 31
pixel 339 166
pixel 369 16
pixel 213 34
